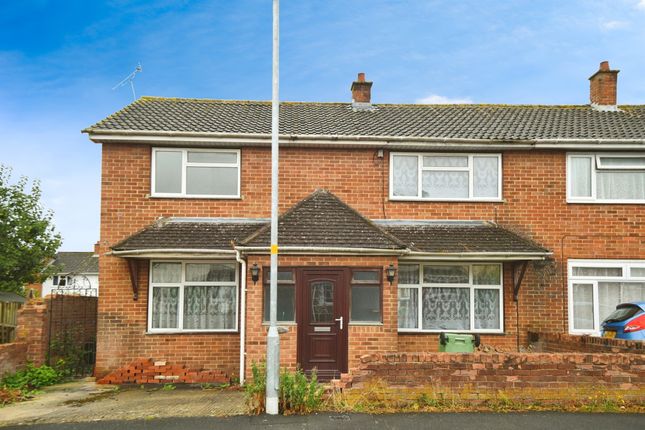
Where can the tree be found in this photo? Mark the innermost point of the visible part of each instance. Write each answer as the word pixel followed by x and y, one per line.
pixel 28 241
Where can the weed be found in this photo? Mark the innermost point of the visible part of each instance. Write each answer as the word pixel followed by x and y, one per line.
pixel 256 388
pixel 168 387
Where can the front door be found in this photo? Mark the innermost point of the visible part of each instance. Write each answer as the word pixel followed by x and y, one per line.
pixel 322 329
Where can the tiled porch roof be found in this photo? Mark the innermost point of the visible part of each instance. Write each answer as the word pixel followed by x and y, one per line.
pixel 323 221
pixel 441 237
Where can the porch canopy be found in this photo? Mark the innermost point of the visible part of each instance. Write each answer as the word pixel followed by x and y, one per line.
pixel 324 224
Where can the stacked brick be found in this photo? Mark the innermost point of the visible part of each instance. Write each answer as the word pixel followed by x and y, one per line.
pixel 13 356
pixel 560 342
pixel 33 329
pixel 503 371
pixel 147 371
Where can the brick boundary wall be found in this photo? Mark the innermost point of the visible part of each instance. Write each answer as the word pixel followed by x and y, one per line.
pixel 502 371
pixel 13 357
pixel 560 342
pixel 33 329
pixel 148 371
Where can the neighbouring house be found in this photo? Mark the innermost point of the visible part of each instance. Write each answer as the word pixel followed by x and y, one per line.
pixel 397 222
pixel 77 273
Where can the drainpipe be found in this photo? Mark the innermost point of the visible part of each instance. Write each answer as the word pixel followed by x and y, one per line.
pixel 242 314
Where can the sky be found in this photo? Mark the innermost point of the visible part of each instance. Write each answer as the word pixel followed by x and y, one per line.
pixel 59 61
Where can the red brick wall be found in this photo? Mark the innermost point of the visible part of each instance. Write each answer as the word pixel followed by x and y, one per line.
pixel 33 329
pixel 535 205
pixel 560 342
pixel 362 338
pixel 506 371
pixel 13 356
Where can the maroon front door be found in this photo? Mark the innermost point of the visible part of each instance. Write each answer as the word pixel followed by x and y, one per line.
pixel 322 329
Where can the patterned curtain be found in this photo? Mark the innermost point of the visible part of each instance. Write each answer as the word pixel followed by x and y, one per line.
pixel 209 307
pixel 487 309
pixel 408 307
pixel 621 185
pixel 405 173
pixel 165 305
pixel 485 180
pixel 446 308
pixel 445 184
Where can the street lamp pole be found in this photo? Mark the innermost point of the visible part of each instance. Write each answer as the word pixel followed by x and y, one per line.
pixel 273 338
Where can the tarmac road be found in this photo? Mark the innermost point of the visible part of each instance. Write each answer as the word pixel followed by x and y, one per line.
pixel 459 421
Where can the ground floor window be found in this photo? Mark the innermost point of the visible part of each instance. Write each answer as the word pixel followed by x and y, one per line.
pixel 454 297
pixel 192 296
pixel 286 295
pixel 597 286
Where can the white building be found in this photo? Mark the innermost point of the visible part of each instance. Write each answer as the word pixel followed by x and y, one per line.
pixel 78 273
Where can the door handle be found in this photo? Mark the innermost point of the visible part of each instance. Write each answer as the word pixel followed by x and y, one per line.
pixel 341 322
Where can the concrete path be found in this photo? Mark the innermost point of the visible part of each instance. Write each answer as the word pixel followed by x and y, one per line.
pixel 85 401
pixel 465 421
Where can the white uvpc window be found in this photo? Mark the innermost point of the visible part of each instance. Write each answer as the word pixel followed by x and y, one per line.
pixel 597 286
pixel 197 173
pixel 445 176
pixel 192 296
pixel 451 296
pixel 605 178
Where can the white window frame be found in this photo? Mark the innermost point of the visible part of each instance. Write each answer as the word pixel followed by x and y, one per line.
pixel 469 169
pixel 419 287
pixel 596 165
pixel 185 164
pixel 625 265
pixel 181 285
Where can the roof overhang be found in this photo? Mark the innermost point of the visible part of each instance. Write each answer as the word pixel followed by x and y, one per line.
pixel 477 256
pixel 319 250
pixel 169 138
pixel 174 253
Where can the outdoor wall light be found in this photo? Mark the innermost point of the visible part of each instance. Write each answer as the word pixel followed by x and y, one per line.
pixel 255 273
pixel 391 272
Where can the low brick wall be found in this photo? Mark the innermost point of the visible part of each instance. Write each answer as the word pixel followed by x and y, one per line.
pixel 13 356
pixel 501 371
pixel 148 371
pixel 559 342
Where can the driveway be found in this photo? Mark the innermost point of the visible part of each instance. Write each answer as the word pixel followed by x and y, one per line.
pixel 465 421
pixel 85 401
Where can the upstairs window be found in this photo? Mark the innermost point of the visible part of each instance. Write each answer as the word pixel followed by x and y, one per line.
pixel 196 173
pixel 606 178
pixel 445 177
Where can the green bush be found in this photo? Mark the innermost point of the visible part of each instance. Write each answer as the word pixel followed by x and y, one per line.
pixel 299 395
pixel 32 378
pixel 256 388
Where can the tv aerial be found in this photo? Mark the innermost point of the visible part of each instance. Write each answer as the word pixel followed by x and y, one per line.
pixel 129 80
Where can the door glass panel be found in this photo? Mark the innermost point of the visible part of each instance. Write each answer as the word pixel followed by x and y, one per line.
pixel 322 302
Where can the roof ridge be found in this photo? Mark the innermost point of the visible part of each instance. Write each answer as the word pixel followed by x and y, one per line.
pixel 348 103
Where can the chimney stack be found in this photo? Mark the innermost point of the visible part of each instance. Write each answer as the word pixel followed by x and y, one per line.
pixel 603 87
pixel 361 92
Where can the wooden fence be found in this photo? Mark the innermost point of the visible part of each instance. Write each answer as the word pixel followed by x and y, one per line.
pixel 8 321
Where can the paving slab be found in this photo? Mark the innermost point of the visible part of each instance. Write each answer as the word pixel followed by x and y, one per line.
pixel 86 401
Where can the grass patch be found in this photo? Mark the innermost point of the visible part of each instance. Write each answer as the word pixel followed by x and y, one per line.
pixel 376 397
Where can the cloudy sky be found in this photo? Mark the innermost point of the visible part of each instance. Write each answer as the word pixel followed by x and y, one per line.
pixel 60 59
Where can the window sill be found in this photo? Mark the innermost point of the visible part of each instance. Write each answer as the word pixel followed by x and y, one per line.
pixel 368 324
pixel 281 323
pixel 416 331
pixel 175 196
pixel 155 332
pixel 606 202
pixel 421 199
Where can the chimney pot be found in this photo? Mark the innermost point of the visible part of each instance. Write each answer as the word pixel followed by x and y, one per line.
pixel 603 87
pixel 361 91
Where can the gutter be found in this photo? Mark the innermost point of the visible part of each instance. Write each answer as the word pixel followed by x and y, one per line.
pixel 478 256
pixel 393 142
pixel 242 315
pixel 312 250
pixel 153 252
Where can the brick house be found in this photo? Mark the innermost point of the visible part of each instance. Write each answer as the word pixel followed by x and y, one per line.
pixel 398 222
